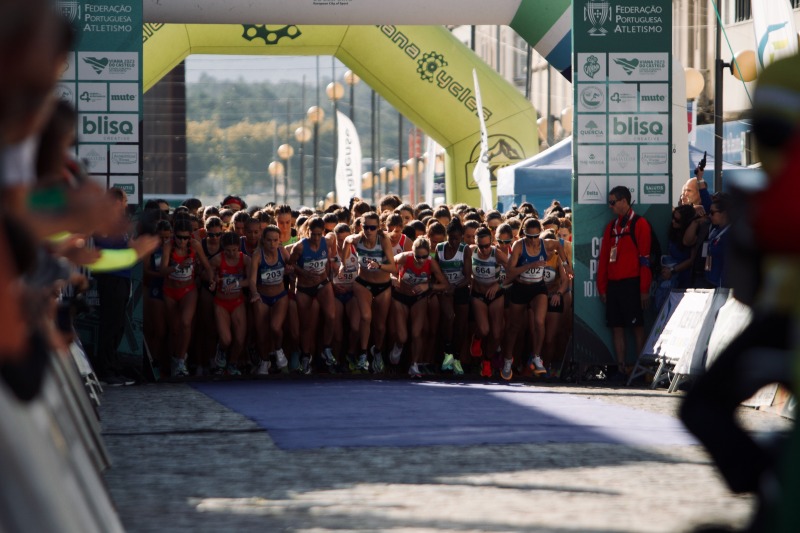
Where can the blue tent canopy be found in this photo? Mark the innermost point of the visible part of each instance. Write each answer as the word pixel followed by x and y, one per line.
pixel 548 176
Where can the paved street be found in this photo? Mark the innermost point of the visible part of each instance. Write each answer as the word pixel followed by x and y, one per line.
pixel 183 462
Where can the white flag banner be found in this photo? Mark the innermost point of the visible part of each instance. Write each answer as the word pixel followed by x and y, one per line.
pixel 430 169
pixel 348 160
pixel 776 35
pixel 481 174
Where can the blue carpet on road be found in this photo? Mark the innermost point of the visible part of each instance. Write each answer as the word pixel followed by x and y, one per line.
pixel 328 413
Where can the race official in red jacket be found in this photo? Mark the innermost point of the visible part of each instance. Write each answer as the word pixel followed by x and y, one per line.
pixel 623 273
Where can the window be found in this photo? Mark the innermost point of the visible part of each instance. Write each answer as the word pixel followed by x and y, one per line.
pixel 742 10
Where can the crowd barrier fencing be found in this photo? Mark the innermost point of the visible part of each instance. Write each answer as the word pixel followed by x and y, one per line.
pixel 53 454
pixel 692 328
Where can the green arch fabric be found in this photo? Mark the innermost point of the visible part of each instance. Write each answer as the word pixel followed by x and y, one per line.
pixel 423 71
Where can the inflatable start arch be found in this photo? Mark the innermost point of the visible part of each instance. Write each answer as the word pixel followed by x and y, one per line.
pixel 423 71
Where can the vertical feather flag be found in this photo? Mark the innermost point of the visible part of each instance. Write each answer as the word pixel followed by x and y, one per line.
pixel 776 35
pixel 482 174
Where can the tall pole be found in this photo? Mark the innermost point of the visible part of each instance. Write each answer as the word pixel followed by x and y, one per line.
pixel 399 154
pixel 374 168
pixel 335 126
pixel 472 37
pixel 287 175
pixel 528 73
pixel 353 103
pixel 316 148
pixel 497 48
pixel 302 145
pixel 549 106
pixel 718 105
pixel 380 141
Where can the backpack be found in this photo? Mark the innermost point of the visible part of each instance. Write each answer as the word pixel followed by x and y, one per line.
pixel 655 247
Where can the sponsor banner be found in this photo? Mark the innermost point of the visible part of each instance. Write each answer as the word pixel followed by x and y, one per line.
pixel 638 67
pixel 129 184
pixel 592 129
pixel 654 190
pixel 592 159
pixel 591 98
pixel 66 92
pixel 124 159
pixel 654 159
pixel 623 98
pixel 622 58
pixel 108 66
pixel 592 189
pixel 631 182
pixel 92 97
pixel 348 160
pixel 94 156
pixel 123 97
pixel 638 128
pixel 775 32
pixel 590 67
pixel 623 159
pixel 654 97
pixel 103 127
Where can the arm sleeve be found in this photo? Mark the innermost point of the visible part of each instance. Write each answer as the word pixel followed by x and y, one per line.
pixel 705 199
pixel 643 238
pixel 602 261
pixel 111 260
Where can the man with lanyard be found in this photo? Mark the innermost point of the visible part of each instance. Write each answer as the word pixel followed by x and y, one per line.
pixel 623 273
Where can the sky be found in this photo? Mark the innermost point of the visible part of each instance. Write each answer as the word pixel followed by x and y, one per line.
pixel 261 68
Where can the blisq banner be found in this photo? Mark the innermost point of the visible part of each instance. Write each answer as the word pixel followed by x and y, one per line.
pixel 103 80
pixel 622 75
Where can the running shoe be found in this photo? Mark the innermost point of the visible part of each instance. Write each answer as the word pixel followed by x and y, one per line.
pixel 507 373
pixel 377 361
pixel 537 366
pixel 263 368
pixel 351 362
pixel 232 370
pixel 280 359
pixel 179 368
pixel 458 370
pixel 476 348
pixel 305 364
pixel 486 368
pixel 327 356
pixel 447 364
pixel 395 354
pixel 362 364
pixel 413 371
pixel 220 360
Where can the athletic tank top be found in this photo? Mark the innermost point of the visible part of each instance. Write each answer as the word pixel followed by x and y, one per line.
pixel 311 261
pixel 485 271
pixel 350 268
pixel 155 264
pixel 209 255
pixel 453 268
pixel 551 269
pixel 413 275
pixel 230 276
pixel 243 247
pixel 365 254
pixel 501 273
pixel 270 274
pixel 534 274
pixel 182 274
pixel 399 248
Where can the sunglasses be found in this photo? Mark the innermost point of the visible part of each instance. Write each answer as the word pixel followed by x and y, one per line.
pixel 215 235
pixel 484 246
pixel 612 202
pixel 421 257
pixel 182 237
pixel 505 241
pixel 532 235
pixel 370 227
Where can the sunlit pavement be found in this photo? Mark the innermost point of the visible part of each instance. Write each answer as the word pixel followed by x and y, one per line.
pixel 183 462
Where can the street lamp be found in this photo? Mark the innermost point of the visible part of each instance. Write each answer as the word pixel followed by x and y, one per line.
pixel 285 152
pixel 315 115
pixel 302 135
pixel 335 91
pixel 352 79
pixel 275 170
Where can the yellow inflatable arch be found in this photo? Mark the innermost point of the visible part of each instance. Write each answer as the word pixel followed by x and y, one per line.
pixel 423 71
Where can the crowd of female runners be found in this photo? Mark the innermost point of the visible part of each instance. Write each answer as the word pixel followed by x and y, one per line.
pixel 400 288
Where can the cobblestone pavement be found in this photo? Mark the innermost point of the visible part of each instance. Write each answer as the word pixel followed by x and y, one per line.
pixel 182 462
